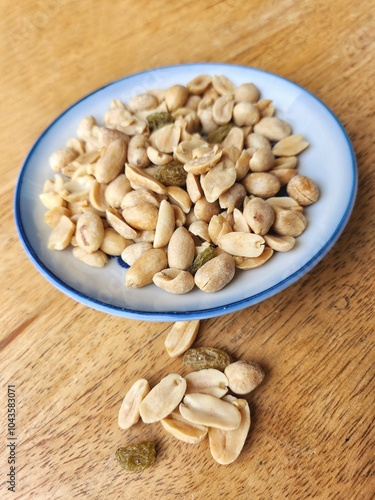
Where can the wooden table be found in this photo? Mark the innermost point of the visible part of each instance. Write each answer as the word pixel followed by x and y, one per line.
pixel 312 418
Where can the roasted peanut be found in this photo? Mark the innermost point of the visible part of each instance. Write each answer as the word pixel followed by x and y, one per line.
pixel 163 398
pixel 181 336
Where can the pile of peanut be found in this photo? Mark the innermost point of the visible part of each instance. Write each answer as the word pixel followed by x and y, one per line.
pixel 174 172
pixel 197 405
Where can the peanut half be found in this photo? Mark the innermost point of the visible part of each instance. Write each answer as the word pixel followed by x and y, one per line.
pixel 163 398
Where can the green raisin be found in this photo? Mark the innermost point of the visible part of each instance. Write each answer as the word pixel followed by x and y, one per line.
pixel 203 257
pixel 136 457
pixel 172 174
pixel 201 358
pixel 159 120
pixel 217 136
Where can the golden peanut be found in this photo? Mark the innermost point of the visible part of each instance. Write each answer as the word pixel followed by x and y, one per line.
pixel 279 243
pixel 284 202
pixel 93 259
pixel 218 180
pixel 129 410
pixel 200 228
pixel 52 200
pixel 303 190
pixel 207 381
pixel 141 179
pixel 204 210
pixel 205 114
pixel 143 216
pixel 140 197
pixel 163 398
pixel 289 223
pixel 285 162
pixel 256 141
pixel 89 231
pixel 246 263
pixel 104 136
pixel 113 243
pixel 142 102
pixel 85 127
pixel 181 337
pixel 259 215
pixel 181 249
pixel 290 146
pixel 239 222
pixel 116 190
pixel 203 159
pixel 241 244
pixel 217 227
pixel 62 157
pixel 262 160
pixel 182 429
pixel 262 184
pixel 137 151
pixel 158 158
pixel 274 129
pixel 175 97
pixel 62 234
pixel 247 92
pixel 143 270
pixel 226 445
pixel 245 113
pixel 204 409
pixel 232 198
pixel 199 84
pixel 134 251
pixel 53 216
pixel 266 107
pixel 165 224
pixel 178 196
pixel 174 281
pixel 112 161
pixel 215 274
pixel 283 175
pixel 97 196
pixel 242 164
pixel 244 376
pixel 222 109
pixel 116 221
pixel 223 85
pixel 235 138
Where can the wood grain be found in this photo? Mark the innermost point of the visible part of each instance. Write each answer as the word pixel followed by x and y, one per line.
pixel 312 432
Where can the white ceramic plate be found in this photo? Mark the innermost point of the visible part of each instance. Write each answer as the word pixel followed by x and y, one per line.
pixel 329 161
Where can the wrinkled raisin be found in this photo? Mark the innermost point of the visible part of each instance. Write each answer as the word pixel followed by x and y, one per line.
pixel 136 457
pixel 201 358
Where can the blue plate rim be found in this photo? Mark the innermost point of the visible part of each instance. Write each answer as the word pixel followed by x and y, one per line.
pixel 196 314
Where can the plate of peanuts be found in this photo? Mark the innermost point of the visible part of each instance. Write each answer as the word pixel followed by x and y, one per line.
pixel 185 192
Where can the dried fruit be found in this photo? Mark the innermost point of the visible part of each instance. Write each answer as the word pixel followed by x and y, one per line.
pixel 137 457
pixel 206 255
pixel 159 120
pixel 200 358
pixel 172 174
pixel 217 136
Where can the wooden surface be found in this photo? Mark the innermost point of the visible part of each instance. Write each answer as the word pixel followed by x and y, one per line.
pixel 312 418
